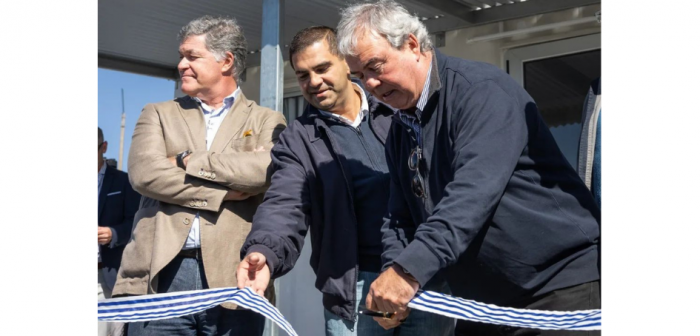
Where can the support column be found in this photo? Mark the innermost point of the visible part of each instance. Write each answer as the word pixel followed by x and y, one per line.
pixel 271 63
pixel 272 84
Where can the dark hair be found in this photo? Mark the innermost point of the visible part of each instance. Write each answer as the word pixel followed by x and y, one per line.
pixel 100 137
pixel 311 35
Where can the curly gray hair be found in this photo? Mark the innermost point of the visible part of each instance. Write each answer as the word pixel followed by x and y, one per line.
pixel 221 35
pixel 386 18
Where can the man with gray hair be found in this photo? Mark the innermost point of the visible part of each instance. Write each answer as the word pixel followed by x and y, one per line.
pixel 480 192
pixel 201 163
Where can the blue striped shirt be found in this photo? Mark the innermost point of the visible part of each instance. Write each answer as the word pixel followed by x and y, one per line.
pixel 413 121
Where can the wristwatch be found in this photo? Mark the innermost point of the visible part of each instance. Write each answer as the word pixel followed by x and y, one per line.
pixel 180 158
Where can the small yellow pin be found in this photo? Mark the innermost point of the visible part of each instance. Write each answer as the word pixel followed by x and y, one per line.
pixel 248 133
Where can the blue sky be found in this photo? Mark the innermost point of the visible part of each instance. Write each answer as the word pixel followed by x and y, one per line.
pixel 139 90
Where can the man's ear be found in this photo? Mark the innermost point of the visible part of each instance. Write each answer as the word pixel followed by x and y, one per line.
pixel 345 64
pixel 413 45
pixel 227 66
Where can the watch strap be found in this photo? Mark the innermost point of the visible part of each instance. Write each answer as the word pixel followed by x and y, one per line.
pixel 180 158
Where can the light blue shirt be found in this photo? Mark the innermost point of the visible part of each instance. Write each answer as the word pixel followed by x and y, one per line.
pixel 101 177
pixel 212 121
pixel 414 121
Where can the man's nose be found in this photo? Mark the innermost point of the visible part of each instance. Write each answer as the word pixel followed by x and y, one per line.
pixel 183 65
pixel 315 80
pixel 371 83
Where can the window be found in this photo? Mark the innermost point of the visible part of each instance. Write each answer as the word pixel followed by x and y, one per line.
pixel 557 75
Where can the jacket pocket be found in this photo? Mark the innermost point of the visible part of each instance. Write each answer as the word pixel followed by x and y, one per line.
pixel 247 144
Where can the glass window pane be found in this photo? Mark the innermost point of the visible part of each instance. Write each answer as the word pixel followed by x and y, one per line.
pixel 559 86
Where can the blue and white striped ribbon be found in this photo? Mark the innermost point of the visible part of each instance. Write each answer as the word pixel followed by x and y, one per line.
pixel 487 313
pixel 169 305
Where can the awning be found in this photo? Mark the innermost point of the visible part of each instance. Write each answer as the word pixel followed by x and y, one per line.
pixel 141 36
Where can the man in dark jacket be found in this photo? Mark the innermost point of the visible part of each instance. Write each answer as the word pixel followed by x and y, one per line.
pixel 330 174
pixel 117 203
pixel 480 192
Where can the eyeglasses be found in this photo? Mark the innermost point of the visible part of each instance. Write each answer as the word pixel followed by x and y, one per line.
pixel 417 184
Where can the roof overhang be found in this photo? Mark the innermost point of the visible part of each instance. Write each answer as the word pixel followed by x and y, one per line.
pixel 141 36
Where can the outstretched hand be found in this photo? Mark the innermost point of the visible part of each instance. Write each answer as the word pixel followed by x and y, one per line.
pixel 254 272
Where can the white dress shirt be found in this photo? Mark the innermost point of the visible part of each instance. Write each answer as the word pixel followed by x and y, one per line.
pixel 212 120
pixel 364 109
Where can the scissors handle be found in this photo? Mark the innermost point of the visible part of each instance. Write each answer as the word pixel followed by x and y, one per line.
pixel 364 311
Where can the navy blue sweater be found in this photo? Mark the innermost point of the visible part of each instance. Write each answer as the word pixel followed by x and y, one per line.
pixel 506 217
pixel 363 156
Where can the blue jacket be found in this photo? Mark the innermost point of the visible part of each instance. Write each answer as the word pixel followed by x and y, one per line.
pixel 116 206
pixel 506 217
pixel 311 188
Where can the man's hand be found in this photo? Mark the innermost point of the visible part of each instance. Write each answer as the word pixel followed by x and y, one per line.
pixel 391 292
pixel 104 235
pixel 253 272
pixel 235 195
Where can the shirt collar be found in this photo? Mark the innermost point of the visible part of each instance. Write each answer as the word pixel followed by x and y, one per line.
pixel 424 95
pixel 364 106
pixel 228 102
pixel 103 169
pixel 364 109
pixel 422 100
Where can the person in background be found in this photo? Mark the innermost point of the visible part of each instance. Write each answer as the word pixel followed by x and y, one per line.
pixel 117 203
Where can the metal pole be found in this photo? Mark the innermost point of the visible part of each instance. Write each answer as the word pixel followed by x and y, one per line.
pixel 272 84
pixel 271 62
pixel 121 138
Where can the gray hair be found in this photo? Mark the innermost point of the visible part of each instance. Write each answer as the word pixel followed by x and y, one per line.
pixel 221 35
pixel 385 18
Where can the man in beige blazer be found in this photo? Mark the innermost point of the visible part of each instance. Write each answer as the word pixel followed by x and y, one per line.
pixel 201 163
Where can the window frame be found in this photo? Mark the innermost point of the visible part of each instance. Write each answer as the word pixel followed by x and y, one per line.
pixel 515 58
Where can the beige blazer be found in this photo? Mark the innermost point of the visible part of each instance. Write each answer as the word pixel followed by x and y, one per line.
pixel 173 196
